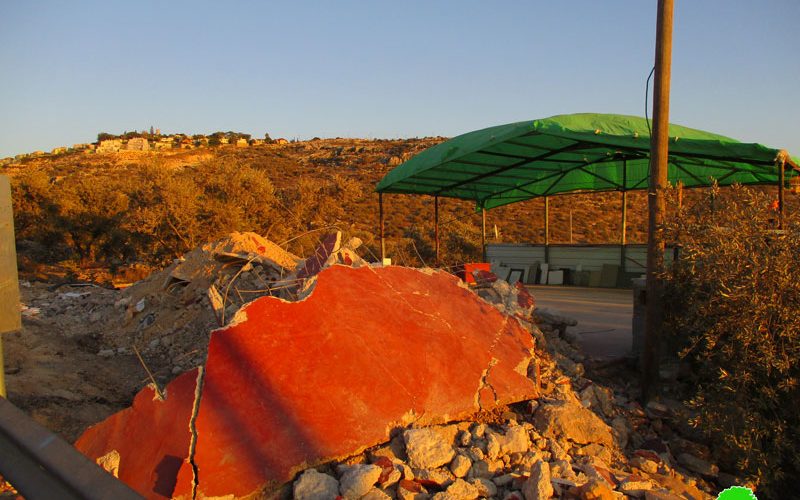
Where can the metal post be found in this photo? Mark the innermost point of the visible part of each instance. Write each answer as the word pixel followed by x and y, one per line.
pixel 483 232
pixel 383 235
pixel 546 229
pixel 680 195
pixel 436 226
pixel 624 234
pixel 782 168
pixel 2 371
pixel 659 149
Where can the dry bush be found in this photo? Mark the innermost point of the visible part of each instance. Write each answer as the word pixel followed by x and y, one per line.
pixel 732 310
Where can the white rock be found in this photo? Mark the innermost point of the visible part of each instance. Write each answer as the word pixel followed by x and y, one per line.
pixel 492 445
pixel 459 490
pixel 358 480
pixel 460 466
pixel 478 430
pixel 376 494
pixel 476 453
pixel 635 487
pixel 464 438
pixel 427 448
pixel 312 484
pixel 404 494
pixel 515 440
pixel 406 471
pixel 393 477
pixel 538 485
pixel 485 487
pixel 485 468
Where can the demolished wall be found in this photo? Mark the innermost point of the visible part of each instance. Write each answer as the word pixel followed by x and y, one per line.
pixel 289 385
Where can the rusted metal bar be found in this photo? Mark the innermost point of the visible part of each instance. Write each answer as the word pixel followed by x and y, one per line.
pixel 436 227
pixel 382 223
pixel 40 464
pixel 680 195
pixel 659 146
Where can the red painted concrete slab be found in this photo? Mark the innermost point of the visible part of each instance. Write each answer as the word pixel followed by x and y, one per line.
pixel 329 245
pixel 295 384
pixel 152 437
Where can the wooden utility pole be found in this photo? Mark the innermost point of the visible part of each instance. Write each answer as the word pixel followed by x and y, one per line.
pixel 659 144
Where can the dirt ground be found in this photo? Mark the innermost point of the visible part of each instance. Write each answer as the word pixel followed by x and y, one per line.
pixel 53 371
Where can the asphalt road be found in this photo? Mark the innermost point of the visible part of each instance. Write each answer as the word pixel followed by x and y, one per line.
pixel 604 316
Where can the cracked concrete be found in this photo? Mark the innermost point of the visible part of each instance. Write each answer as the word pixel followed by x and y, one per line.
pixel 293 384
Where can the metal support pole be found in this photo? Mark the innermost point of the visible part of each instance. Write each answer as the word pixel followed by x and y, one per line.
pixel 382 223
pixel 782 168
pixel 659 149
pixel 546 229
pixel 483 233
pixel 624 234
pixel 436 226
pixel 2 371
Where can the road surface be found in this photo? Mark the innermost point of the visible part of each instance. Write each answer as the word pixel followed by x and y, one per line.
pixel 603 314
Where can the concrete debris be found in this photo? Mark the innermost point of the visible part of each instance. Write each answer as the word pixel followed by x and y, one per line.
pixel 538 485
pixel 473 358
pixel 571 421
pixel 459 490
pixel 513 300
pixel 168 316
pixel 148 441
pixel 358 480
pixel 366 382
pixel 342 379
pixel 330 252
pixel 312 485
pixel 430 447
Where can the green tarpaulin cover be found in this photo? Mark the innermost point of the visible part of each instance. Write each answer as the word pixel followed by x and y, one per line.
pixel 568 153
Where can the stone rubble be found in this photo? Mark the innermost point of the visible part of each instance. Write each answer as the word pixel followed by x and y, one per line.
pixel 577 439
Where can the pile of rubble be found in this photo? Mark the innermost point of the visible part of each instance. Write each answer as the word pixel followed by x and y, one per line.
pixel 362 381
pixel 167 317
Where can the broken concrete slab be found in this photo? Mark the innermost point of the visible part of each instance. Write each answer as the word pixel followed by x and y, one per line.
pixel 329 252
pixel 150 440
pixel 570 420
pixel 289 385
pixel 245 247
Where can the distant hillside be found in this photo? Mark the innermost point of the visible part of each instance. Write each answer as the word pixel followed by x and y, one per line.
pixel 113 209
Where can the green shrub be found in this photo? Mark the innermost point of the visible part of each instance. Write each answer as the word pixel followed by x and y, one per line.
pixel 732 301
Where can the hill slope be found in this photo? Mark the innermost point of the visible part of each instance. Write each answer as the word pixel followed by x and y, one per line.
pixel 109 210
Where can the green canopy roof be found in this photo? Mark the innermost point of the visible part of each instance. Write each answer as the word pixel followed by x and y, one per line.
pixel 568 153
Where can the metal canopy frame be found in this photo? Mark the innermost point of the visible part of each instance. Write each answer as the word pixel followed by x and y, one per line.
pixel 538 169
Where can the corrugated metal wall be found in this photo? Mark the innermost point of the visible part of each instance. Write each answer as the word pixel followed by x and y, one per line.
pixel 572 257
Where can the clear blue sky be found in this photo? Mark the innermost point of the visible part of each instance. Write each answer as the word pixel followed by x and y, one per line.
pixel 385 69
